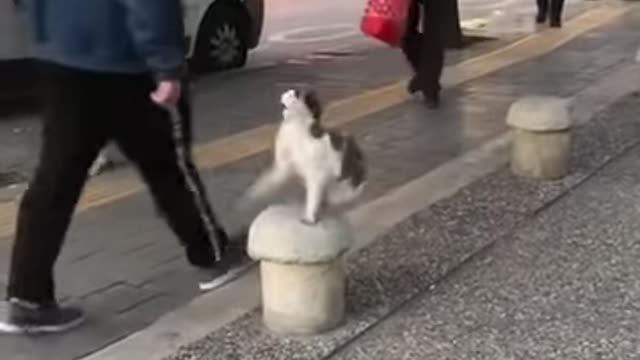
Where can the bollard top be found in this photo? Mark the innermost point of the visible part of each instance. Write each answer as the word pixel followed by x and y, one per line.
pixel 278 235
pixel 540 114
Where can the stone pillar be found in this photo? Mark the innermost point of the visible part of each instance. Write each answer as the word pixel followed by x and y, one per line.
pixel 541 137
pixel 301 270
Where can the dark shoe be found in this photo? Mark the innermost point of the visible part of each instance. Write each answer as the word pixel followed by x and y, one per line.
pixel 23 317
pixel 432 99
pixel 202 254
pixel 541 18
pixel 413 86
pixel 556 23
pixel 234 263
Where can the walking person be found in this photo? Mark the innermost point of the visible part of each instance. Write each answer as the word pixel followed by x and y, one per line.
pixel 424 48
pixel 551 9
pixel 112 70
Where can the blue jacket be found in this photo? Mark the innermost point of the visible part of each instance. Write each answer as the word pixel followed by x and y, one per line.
pixel 113 36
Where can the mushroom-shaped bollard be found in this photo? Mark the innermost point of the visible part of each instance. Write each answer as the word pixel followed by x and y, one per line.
pixel 301 269
pixel 541 137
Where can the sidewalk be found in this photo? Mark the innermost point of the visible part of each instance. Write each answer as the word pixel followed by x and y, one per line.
pixel 227 103
pixel 561 284
pixel 506 269
pixel 133 272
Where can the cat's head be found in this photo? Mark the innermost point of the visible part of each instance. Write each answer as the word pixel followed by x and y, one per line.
pixel 302 103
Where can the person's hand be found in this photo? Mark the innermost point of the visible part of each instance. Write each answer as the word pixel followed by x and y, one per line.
pixel 167 93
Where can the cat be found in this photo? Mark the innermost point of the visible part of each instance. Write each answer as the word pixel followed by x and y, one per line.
pixel 330 165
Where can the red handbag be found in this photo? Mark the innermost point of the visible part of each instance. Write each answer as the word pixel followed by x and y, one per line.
pixel 386 20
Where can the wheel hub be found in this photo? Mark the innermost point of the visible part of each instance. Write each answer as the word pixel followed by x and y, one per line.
pixel 225 44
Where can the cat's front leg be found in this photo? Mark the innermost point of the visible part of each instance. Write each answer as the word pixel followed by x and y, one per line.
pixel 267 184
pixel 315 198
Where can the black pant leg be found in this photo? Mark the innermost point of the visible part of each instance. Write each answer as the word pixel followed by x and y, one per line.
pixel 161 149
pixel 432 53
pixel 73 134
pixel 543 9
pixel 556 10
pixel 413 39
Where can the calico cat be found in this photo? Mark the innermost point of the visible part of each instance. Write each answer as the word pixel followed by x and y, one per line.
pixel 331 166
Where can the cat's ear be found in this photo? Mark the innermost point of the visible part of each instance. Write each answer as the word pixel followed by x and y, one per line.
pixel 313 104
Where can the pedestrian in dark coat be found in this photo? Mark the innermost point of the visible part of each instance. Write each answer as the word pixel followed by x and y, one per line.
pixel 424 48
pixel 551 9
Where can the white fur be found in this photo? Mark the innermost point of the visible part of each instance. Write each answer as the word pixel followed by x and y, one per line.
pixel 314 161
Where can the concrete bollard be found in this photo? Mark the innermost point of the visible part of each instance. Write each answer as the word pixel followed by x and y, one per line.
pixel 541 137
pixel 301 270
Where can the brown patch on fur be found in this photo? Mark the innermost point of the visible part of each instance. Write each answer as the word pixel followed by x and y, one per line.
pixel 313 104
pixel 353 163
pixel 316 130
pixel 315 108
pixel 337 140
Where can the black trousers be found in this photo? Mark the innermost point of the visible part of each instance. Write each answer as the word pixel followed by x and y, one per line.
pixel 550 7
pixel 83 111
pixel 424 49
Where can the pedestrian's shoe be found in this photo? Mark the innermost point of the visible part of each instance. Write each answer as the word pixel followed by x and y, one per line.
pixel 555 23
pixel 23 317
pixel 201 254
pixel 234 263
pixel 541 18
pixel 413 86
pixel 432 99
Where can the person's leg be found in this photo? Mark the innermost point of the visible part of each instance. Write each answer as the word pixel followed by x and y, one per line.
pixel 411 45
pixel 556 13
pixel 72 137
pixel 432 54
pixel 161 149
pixel 159 143
pixel 543 11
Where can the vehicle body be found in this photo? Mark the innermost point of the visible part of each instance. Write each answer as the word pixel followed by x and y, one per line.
pixel 219 33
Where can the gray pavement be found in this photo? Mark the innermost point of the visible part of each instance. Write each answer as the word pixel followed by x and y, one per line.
pixel 508 268
pixel 123 264
pixel 231 102
pixel 564 285
pixel 337 70
pixel 132 272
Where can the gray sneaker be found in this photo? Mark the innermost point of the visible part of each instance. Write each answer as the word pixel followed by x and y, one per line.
pixel 23 317
pixel 234 263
